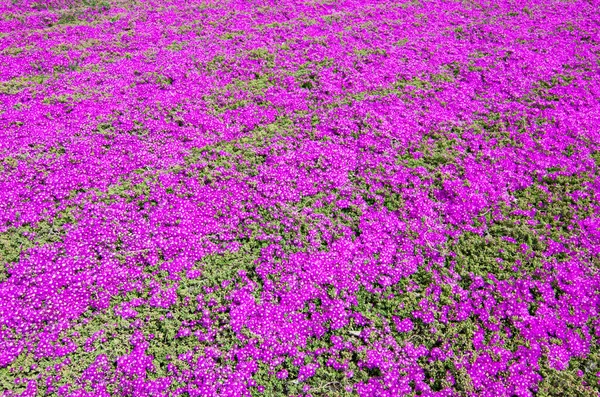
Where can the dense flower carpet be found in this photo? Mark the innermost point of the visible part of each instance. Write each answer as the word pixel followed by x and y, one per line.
pixel 299 198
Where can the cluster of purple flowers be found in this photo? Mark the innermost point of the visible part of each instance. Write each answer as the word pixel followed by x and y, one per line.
pixel 232 197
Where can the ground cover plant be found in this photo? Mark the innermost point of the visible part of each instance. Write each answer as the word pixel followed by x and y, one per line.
pixel 285 198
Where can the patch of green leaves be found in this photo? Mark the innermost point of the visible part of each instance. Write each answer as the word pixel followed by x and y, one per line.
pixel 17 240
pixel 18 84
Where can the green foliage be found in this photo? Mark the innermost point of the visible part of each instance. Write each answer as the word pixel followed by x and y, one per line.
pixel 17 240
pixel 98 4
pixel 596 157
pixel 16 51
pixel 240 93
pixel 244 154
pixel 18 84
pixel 263 54
pixel 554 219
pixel 64 98
pixel 223 267
pixel 365 52
pixel 435 151
pixel 176 46
pixel 233 34
pixel 567 382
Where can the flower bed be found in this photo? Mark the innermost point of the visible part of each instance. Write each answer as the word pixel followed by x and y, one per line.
pixel 324 198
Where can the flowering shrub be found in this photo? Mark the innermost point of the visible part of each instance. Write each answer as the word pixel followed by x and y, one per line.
pixel 319 198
